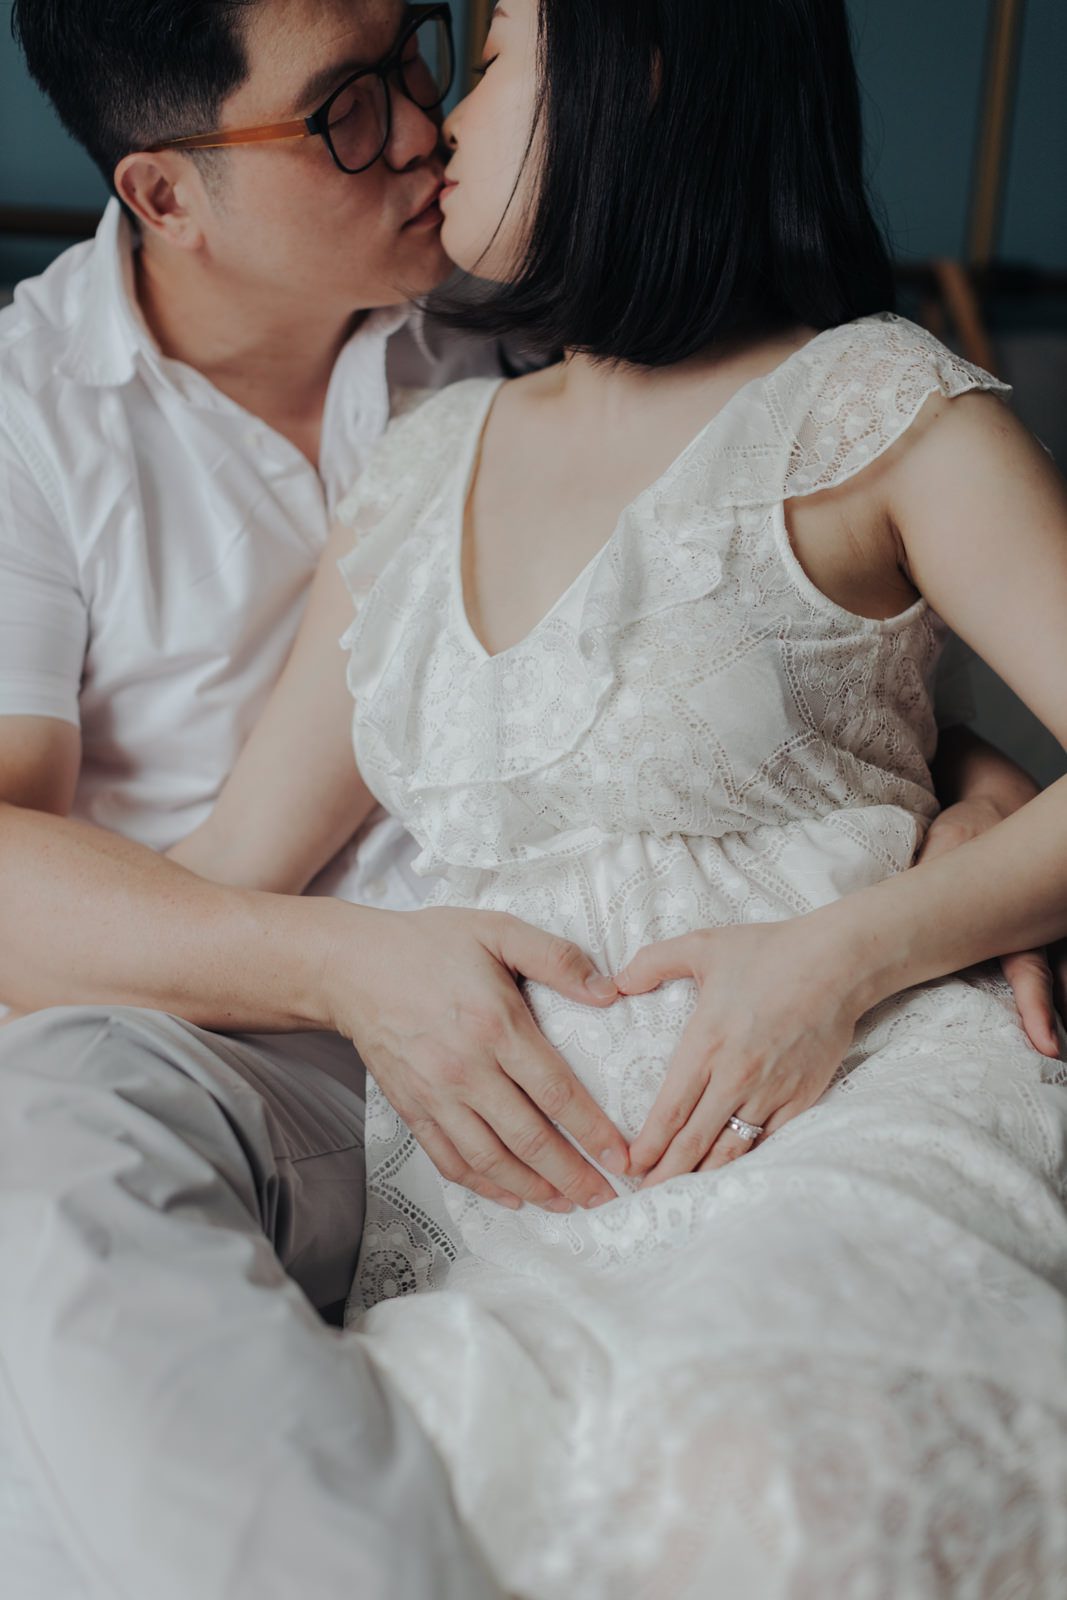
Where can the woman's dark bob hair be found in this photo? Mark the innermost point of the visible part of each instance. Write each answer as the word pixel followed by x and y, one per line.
pixel 702 181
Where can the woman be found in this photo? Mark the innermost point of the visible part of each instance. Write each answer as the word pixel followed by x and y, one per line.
pixel 642 654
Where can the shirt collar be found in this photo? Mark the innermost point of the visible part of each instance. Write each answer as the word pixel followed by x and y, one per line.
pixel 109 332
pixel 419 324
pixel 384 323
pixel 110 335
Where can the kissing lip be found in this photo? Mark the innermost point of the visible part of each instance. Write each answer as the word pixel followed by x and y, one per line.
pixel 429 201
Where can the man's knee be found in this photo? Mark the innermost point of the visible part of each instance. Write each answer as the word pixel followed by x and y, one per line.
pixel 257 1133
pixel 74 1079
pixel 70 1042
pixel 68 1057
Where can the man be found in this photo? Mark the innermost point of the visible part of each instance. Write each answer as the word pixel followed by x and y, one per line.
pixel 181 404
pixel 177 421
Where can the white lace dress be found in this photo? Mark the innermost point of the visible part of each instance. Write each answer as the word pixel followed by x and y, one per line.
pixel 837 1369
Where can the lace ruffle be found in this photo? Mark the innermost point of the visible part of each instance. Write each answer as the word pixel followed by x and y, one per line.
pixel 393 514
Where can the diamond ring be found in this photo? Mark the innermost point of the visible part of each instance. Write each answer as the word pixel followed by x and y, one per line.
pixel 749 1131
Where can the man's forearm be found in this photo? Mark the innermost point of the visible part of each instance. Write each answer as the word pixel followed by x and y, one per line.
pixel 89 918
pixel 968 768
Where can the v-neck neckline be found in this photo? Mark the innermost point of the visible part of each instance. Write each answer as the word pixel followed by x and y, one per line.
pixel 466 477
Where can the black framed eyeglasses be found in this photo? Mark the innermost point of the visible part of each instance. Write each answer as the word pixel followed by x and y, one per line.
pixel 356 122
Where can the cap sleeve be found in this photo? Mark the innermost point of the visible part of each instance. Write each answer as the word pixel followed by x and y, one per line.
pixel 831 409
pixel 873 379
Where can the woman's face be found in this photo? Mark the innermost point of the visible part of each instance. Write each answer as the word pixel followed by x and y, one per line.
pixel 492 183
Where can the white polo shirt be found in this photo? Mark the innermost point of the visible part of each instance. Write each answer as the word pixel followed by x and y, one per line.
pixel 157 541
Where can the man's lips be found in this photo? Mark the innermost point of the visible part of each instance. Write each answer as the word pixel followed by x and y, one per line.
pixel 428 204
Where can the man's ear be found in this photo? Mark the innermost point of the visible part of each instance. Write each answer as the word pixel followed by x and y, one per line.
pixel 165 192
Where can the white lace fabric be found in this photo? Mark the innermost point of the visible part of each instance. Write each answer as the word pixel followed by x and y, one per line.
pixel 838 1367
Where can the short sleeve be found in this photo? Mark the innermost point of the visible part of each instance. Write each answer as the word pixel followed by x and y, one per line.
pixel 832 408
pixel 43 617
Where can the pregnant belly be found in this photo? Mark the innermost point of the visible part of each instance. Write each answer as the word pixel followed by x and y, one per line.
pixel 639 889
pixel 611 901
pixel 621 1055
pixel 420 1230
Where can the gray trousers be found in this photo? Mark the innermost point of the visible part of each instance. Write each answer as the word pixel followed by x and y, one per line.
pixel 174 1206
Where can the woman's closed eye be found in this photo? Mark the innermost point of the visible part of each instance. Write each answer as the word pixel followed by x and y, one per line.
pixel 480 71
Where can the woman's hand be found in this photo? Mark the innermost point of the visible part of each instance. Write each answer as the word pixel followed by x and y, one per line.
pixel 773 1022
pixel 1038 977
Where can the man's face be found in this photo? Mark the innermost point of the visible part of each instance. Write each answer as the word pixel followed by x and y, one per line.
pixel 281 218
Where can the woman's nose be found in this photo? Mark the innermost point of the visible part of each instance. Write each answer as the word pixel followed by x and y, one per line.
pixel 449 127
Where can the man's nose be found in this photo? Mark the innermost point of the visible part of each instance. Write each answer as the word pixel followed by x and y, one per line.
pixel 415 133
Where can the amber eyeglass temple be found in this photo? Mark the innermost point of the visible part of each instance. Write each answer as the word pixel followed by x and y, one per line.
pixel 301 127
pixel 218 141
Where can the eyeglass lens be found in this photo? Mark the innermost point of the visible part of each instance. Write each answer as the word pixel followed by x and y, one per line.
pixel 359 116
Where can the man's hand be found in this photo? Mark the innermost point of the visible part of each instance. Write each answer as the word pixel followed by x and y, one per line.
pixel 435 1011
pixel 1038 977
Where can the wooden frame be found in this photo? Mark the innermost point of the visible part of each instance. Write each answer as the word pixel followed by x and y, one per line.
pixel 955 289
pixel 995 128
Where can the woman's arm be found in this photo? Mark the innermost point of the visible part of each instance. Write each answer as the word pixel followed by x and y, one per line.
pixel 295 796
pixel 982 518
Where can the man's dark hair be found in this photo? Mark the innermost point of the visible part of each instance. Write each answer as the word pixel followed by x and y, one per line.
pixel 702 181
pixel 124 74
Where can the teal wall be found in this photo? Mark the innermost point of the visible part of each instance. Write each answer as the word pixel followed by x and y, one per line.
pixel 921 65
pixel 39 164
